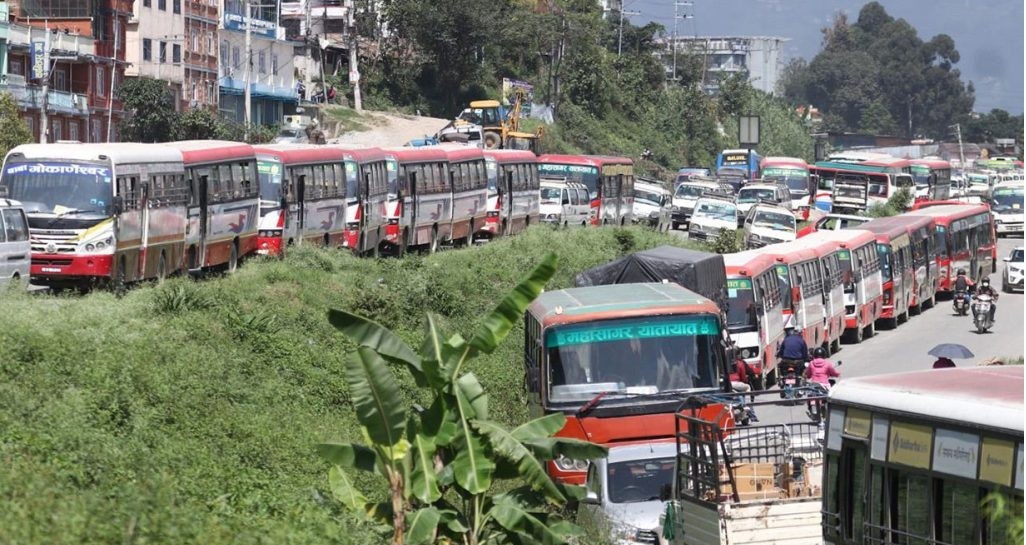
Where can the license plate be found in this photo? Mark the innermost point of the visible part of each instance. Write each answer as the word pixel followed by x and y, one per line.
pixel 790 381
pixel 983 306
pixel 51 269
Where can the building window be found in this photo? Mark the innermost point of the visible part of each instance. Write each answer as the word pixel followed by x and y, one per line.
pixel 56 130
pixel 262 63
pixel 60 79
pixel 97 130
pixel 17 67
pixel 101 81
pixel 210 43
pixel 176 53
pixel 274 63
pixel 236 59
pixel 147 49
pixel 73 130
pixel 30 122
pixel 162 5
pixel 176 6
pixel 163 52
pixel 146 3
pixel 224 56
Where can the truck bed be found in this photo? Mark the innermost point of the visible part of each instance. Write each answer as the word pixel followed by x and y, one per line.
pixel 784 521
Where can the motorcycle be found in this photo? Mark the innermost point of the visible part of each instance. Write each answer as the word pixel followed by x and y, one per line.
pixel 960 302
pixel 981 313
pixel 817 407
pixel 789 378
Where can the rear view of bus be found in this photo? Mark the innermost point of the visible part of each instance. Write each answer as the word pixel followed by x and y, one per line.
pixel 910 457
pixel 755 318
pixel 861 279
pixel 794 173
pixel 610 182
pixel 615 359
pixel 99 213
pixel 513 192
pixel 897 269
pixel 965 240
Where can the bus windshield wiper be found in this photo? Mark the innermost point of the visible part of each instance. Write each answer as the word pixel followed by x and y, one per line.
pixel 69 212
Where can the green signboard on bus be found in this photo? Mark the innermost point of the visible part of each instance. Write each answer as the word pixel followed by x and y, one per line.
pixel 620 330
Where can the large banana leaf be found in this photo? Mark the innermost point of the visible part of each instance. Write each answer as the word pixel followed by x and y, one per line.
pixel 538 428
pixel 551 448
pixel 510 310
pixel 423 481
pixel 442 351
pixel 366 332
pixel 421 524
pixel 342 488
pixel 348 455
pixel 531 469
pixel 511 515
pixel 472 397
pixel 438 423
pixel 376 396
pixel 472 466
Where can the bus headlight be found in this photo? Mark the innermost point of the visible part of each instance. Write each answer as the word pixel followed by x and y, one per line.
pixel 100 244
pixel 566 464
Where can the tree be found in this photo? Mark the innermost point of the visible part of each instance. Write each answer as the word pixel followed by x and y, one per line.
pixel 442 464
pixel 876 119
pixel 199 124
pixel 13 130
pixel 151 106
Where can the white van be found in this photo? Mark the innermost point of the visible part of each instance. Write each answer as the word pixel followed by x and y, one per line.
pixel 712 214
pixel 564 203
pixel 686 195
pixel 15 252
pixel 652 205
pixel 767 224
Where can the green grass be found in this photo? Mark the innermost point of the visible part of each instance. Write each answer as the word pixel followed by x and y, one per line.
pixel 348 119
pixel 187 412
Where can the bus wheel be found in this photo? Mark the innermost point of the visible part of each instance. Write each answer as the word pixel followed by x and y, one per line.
pixel 233 257
pixel 869 330
pixel 469 240
pixel 161 268
pixel 400 247
pixel 376 250
pixel 835 346
pixel 857 334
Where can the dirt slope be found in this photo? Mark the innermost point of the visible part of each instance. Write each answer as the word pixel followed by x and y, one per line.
pixel 381 129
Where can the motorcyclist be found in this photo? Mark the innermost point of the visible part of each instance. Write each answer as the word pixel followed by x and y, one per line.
pixel 793 350
pixel 820 370
pixel 986 289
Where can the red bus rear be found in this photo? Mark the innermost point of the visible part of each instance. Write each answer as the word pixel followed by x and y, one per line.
pixel 513 192
pixel 366 199
pixel 964 240
pixel 897 268
pixel 610 182
pixel 755 303
pixel 921 232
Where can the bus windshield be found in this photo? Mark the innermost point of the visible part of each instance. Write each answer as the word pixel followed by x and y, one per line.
pixel 796 179
pixel 741 312
pixel 1006 199
pixel 269 175
pixel 784 281
pixel 492 170
pixel 847 274
pixel 392 170
pixel 643 355
pixel 352 189
pixel 884 251
pixel 60 188
pixel 587 175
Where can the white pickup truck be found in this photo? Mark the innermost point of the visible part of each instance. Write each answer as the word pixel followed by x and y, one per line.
pixel 746 485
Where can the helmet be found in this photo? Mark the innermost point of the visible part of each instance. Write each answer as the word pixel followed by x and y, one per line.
pixel 819 352
pixel 961 272
pixel 985 282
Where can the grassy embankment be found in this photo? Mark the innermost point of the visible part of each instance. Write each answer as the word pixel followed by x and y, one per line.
pixel 187 412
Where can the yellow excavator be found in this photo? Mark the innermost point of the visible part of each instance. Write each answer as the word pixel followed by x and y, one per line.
pixel 495 126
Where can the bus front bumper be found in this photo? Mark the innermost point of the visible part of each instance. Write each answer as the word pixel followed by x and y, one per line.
pixel 53 269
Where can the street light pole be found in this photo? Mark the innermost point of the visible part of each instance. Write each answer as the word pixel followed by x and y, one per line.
pixel 249 65
pixel 44 121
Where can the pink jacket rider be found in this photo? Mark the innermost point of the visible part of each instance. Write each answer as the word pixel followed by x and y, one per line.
pixel 820 370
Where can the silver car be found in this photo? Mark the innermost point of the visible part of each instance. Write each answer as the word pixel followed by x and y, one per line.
pixel 629 488
pixel 15 252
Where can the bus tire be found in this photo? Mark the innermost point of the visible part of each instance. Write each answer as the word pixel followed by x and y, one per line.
pixel 469 240
pixel 869 331
pixel 118 284
pixel 161 268
pixel 857 334
pixel 433 245
pixel 376 250
pixel 835 346
pixel 233 257
pixel 400 247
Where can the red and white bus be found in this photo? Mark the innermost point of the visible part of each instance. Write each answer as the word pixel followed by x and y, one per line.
pixel 469 185
pixel 312 180
pixel 921 232
pixel 755 317
pixel 897 268
pixel 803 286
pixel 224 205
pixel 964 240
pixel 367 180
pixel 831 271
pixel 861 278
pixel 100 213
pixel 933 178
pixel 794 173
pixel 610 181
pixel 513 192
pixel 419 211
pixel 617 360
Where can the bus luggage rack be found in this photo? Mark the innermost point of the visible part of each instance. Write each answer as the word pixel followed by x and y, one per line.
pixel 713 450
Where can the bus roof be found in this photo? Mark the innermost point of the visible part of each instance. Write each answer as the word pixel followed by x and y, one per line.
pixel 933 163
pixel 748 263
pixel 786 253
pixel 504 156
pixel 845 238
pixel 291 154
pixel 914 222
pixel 885 228
pixel 589 160
pixel 618 301
pixel 783 161
pixel 463 153
pixel 124 153
pixel 822 246
pixel 988 396
pixel 887 161
pixel 944 214
pixel 364 155
pixel 211 151
pixel 427 154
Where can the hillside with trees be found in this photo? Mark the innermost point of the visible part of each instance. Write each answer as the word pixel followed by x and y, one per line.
pixel 877 75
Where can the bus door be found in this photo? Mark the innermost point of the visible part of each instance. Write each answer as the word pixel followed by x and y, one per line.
pixel 198 218
pixel 506 200
pixel 809 301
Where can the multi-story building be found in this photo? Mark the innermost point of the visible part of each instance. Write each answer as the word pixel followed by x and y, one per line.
pixel 85 40
pixel 271 60
pixel 176 41
pixel 756 57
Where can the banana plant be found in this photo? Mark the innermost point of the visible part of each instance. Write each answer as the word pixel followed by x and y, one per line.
pixel 441 464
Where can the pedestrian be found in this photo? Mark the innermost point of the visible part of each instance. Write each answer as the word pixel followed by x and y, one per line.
pixel 943 363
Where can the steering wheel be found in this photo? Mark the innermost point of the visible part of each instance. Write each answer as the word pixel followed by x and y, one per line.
pixel 633 493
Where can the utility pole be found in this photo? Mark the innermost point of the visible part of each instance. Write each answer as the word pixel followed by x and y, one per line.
pixel 113 73
pixel 961 151
pixel 249 65
pixel 676 17
pixel 44 121
pixel 354 69
pixel 619 40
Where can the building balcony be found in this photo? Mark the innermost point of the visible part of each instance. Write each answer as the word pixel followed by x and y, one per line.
pixel 61 44
pixel 30 97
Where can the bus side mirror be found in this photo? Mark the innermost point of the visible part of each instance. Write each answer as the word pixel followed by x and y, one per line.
pixel 118 204
pixel 591 497
pixel 665 492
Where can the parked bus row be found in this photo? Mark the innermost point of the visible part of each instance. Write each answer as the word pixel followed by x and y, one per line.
pixel 111 215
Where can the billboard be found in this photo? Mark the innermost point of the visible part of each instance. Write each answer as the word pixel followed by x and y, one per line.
pixel 38 60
